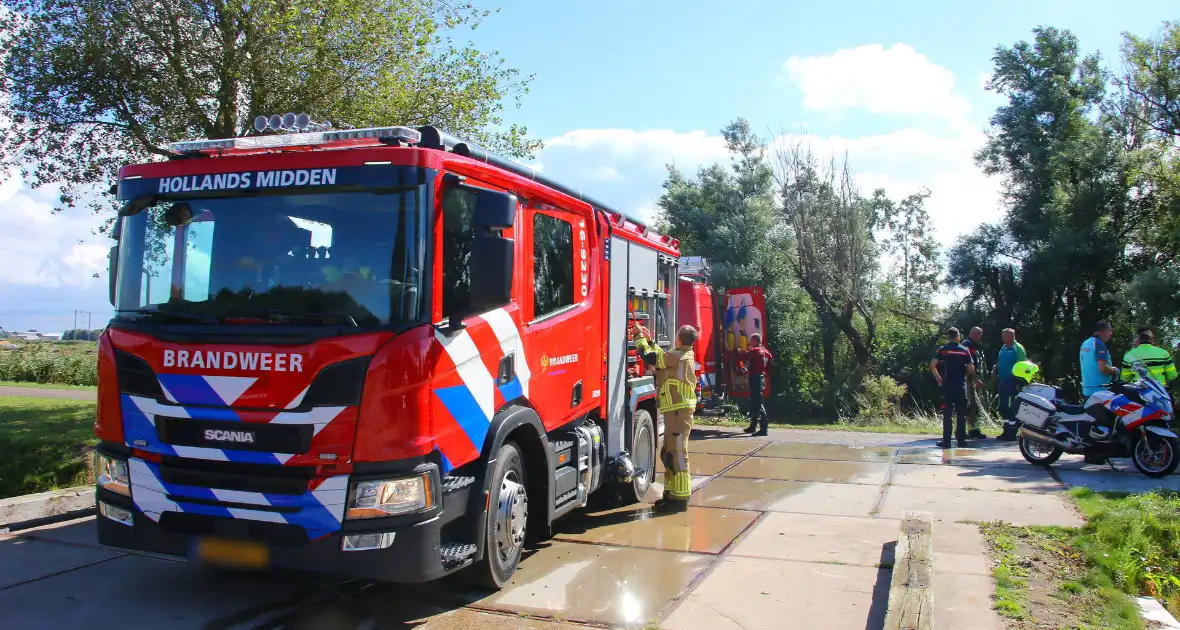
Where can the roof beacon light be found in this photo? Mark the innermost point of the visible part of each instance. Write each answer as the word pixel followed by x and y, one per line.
pixel 405 134
pixel 310 134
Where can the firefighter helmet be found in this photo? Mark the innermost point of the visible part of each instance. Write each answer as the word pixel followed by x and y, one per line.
pixel 1025 371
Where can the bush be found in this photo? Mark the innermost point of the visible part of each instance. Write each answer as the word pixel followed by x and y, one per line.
pixel 879 397
pixel 72 363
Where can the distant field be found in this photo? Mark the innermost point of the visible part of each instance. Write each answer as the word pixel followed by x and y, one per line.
pixel 44 444
pixel 51 363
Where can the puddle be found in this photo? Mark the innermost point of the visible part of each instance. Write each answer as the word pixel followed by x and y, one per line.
pixel 832 452
pixel 724 446
pixel 607 585
pixel 700 530
pixel 708 463
pixel 810 470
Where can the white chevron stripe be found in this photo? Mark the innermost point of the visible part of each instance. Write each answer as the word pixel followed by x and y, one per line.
pixel 256 515
pixel 475 375
pixel 238 496
pixel 229 388
pixel 510 341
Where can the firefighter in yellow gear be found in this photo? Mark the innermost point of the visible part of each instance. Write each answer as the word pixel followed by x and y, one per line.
pixel 676 387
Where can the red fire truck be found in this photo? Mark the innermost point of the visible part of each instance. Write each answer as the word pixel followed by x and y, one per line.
pixel 726 321
pixel 383 353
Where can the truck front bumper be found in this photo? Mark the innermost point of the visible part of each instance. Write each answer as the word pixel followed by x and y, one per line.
pixel 415 555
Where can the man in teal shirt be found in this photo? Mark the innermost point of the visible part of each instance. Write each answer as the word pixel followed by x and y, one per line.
pixel 1094 359
pixel 1006 385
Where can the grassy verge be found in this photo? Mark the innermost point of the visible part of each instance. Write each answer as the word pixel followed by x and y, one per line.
pixel 1084 578
pixel 928 424
pixel 44 444
pixel 1044 581
pixel 87 388
pixel 1134 539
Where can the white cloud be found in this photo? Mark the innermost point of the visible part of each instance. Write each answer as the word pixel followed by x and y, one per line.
pixel 893 81
pixel 47 261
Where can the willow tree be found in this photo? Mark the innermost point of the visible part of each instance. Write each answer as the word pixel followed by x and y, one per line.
pixel 92 84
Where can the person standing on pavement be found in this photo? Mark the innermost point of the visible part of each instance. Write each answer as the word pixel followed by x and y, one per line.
pixel 676 391
pixel 957 366
pixel 1009 355
pixel 975 391
pixel 757 362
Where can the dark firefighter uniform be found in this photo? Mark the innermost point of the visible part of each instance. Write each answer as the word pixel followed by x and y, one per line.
pixel 954 360
pixel 675 375
pixel 758 361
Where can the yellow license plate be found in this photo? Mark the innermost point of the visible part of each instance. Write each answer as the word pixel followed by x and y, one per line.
pixel 240 554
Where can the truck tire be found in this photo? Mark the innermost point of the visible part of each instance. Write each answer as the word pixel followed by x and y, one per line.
pixel 507 516
pixel 643 453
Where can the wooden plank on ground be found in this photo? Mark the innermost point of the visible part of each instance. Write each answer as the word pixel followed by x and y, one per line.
pixel 911 592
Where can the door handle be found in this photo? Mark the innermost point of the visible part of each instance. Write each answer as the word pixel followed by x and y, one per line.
pixel 507 370
pixel 576 399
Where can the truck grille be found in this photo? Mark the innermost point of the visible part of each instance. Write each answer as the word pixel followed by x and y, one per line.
pixel 265 438
pixel 291 480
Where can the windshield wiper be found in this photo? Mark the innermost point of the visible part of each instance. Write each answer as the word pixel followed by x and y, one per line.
pixel 282 318
pixel 197 318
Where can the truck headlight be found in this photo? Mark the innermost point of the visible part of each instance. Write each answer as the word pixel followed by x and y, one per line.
pixel 390 497
pixel 111 474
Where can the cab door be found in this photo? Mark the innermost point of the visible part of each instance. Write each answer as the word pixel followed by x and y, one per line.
pixel 558 305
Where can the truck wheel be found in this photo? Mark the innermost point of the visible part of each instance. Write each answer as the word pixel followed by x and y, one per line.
pixel 643 452
pixel 507 516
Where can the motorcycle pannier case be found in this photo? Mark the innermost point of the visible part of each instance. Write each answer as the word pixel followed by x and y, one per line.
pixel 1048 392
pixel 1033 410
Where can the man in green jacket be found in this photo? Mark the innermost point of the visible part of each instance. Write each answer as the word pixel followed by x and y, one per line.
pixel 1158 361
pixel 1009 355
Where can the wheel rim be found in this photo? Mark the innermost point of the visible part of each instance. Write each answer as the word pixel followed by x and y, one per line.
pixel 512 513
pixel 1036 449
pixel 1154 460
pixel 644 459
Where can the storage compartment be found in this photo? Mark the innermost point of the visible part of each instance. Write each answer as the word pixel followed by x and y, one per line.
pixel 565 481
pixel 1033 410
pixel 1048 392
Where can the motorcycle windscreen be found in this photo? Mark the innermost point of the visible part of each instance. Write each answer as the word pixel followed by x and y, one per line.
pixel 743 315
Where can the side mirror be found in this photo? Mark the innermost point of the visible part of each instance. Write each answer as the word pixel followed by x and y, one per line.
pixel 112 273
pixel 492 255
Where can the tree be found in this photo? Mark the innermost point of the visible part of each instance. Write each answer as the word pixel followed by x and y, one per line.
pixel 93 84
pixel 835 255
pixel 909 237
pixel 728 214
pixel 1073 187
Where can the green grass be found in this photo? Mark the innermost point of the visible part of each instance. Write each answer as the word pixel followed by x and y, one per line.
pixel 915 424
pixel 66 363
pixel 87 388
pixel 1043 579
pixel 1134 539
pixel 44 444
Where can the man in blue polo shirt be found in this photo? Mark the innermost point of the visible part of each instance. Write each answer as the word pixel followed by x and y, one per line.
pixel 1094 358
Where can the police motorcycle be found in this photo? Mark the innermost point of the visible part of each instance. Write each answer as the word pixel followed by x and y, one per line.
pixel 1126 420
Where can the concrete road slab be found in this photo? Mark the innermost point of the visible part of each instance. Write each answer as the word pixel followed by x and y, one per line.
pixel 700 530
pixel 788 496
pixel 725 445
pixel 752 593
pixel 598 583
pixel 79 532
pixel 959 548
pixel 810 470
pixel 1076 462
pixel 1027 479
pixel 22 559
pixel 831 452
pixel 709 463
pixel 838 499
pixel 963 601
pixel 1108 480
pixel 827 539
pixel 951 505
pixel 161 594
pixel 464 619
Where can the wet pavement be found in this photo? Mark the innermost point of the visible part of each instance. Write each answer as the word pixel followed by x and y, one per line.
pixel 777 527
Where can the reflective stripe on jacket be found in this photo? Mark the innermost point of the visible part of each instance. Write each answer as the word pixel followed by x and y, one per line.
pixel 675 375
pixel 1157 361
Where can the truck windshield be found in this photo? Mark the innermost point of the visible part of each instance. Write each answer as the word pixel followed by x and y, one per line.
pixel 339 259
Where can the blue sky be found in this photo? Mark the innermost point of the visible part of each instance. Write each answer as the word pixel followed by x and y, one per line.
pixel 623 88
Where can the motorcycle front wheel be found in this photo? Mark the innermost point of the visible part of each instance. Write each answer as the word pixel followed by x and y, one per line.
pixel 1038 453
pixel 1155 455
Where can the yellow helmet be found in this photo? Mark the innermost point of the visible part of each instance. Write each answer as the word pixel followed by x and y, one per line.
pixel 1025 371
